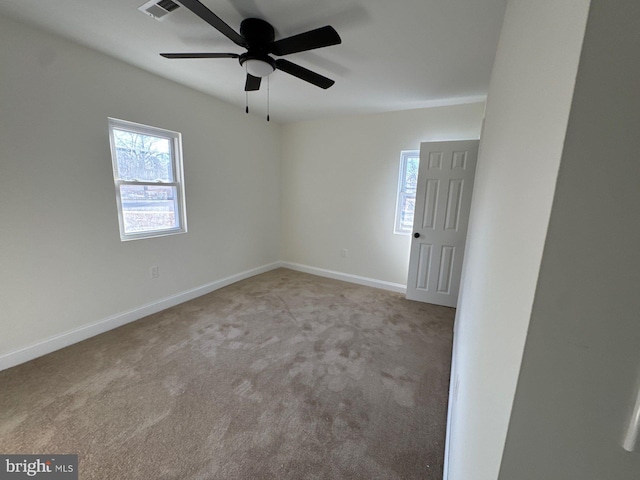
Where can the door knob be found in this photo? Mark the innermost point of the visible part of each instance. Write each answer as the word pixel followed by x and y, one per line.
pixel 416 235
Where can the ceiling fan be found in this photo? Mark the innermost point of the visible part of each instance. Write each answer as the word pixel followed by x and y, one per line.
pixel 258 37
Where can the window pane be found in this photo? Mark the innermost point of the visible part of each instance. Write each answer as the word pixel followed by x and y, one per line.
pixel 149 207
pixel 406 212
pixel 411 175
pixel 144 158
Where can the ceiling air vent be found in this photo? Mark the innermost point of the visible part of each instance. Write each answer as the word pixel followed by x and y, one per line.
pixel 158 9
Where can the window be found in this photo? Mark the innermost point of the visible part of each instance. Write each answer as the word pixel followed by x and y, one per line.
pixel 147 172
pixel 407 183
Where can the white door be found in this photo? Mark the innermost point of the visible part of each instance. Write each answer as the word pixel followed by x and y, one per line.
pixel 443 201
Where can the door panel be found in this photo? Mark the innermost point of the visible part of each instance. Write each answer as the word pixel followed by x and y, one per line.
pixel 430 204
pixel 443 201
pixel 445 273
pixel 424 265
pixel 454 202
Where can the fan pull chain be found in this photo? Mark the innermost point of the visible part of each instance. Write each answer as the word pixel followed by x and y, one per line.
pixel 246 94
pixel 268 85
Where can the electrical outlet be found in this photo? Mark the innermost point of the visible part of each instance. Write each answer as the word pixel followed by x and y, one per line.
pixel 344 253
pixel 155 271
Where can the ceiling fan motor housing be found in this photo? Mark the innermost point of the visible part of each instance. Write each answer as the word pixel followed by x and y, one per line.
pixel 259 34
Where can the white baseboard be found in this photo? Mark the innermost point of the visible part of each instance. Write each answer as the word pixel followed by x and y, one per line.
pixel 70 337
pixel 346 277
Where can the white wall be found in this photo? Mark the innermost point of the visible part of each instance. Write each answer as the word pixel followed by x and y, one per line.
pixel 339 185
pixel 62 264
pixel 581 365
pixel 526 117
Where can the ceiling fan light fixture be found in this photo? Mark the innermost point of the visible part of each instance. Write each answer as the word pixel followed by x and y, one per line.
pixel 258 67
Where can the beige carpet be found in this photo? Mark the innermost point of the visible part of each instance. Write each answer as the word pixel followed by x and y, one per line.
pixel 281 376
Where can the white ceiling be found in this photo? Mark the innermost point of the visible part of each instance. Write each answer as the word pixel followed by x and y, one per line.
pixel 395 55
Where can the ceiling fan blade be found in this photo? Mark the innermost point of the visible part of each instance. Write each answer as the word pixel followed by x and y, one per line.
pixel 212 19
pixel 252 83
pixel 199 55
pixel 318 38
pixel 304 74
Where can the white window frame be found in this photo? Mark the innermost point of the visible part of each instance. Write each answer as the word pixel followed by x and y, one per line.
pixel 402 193
pixel 178 177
